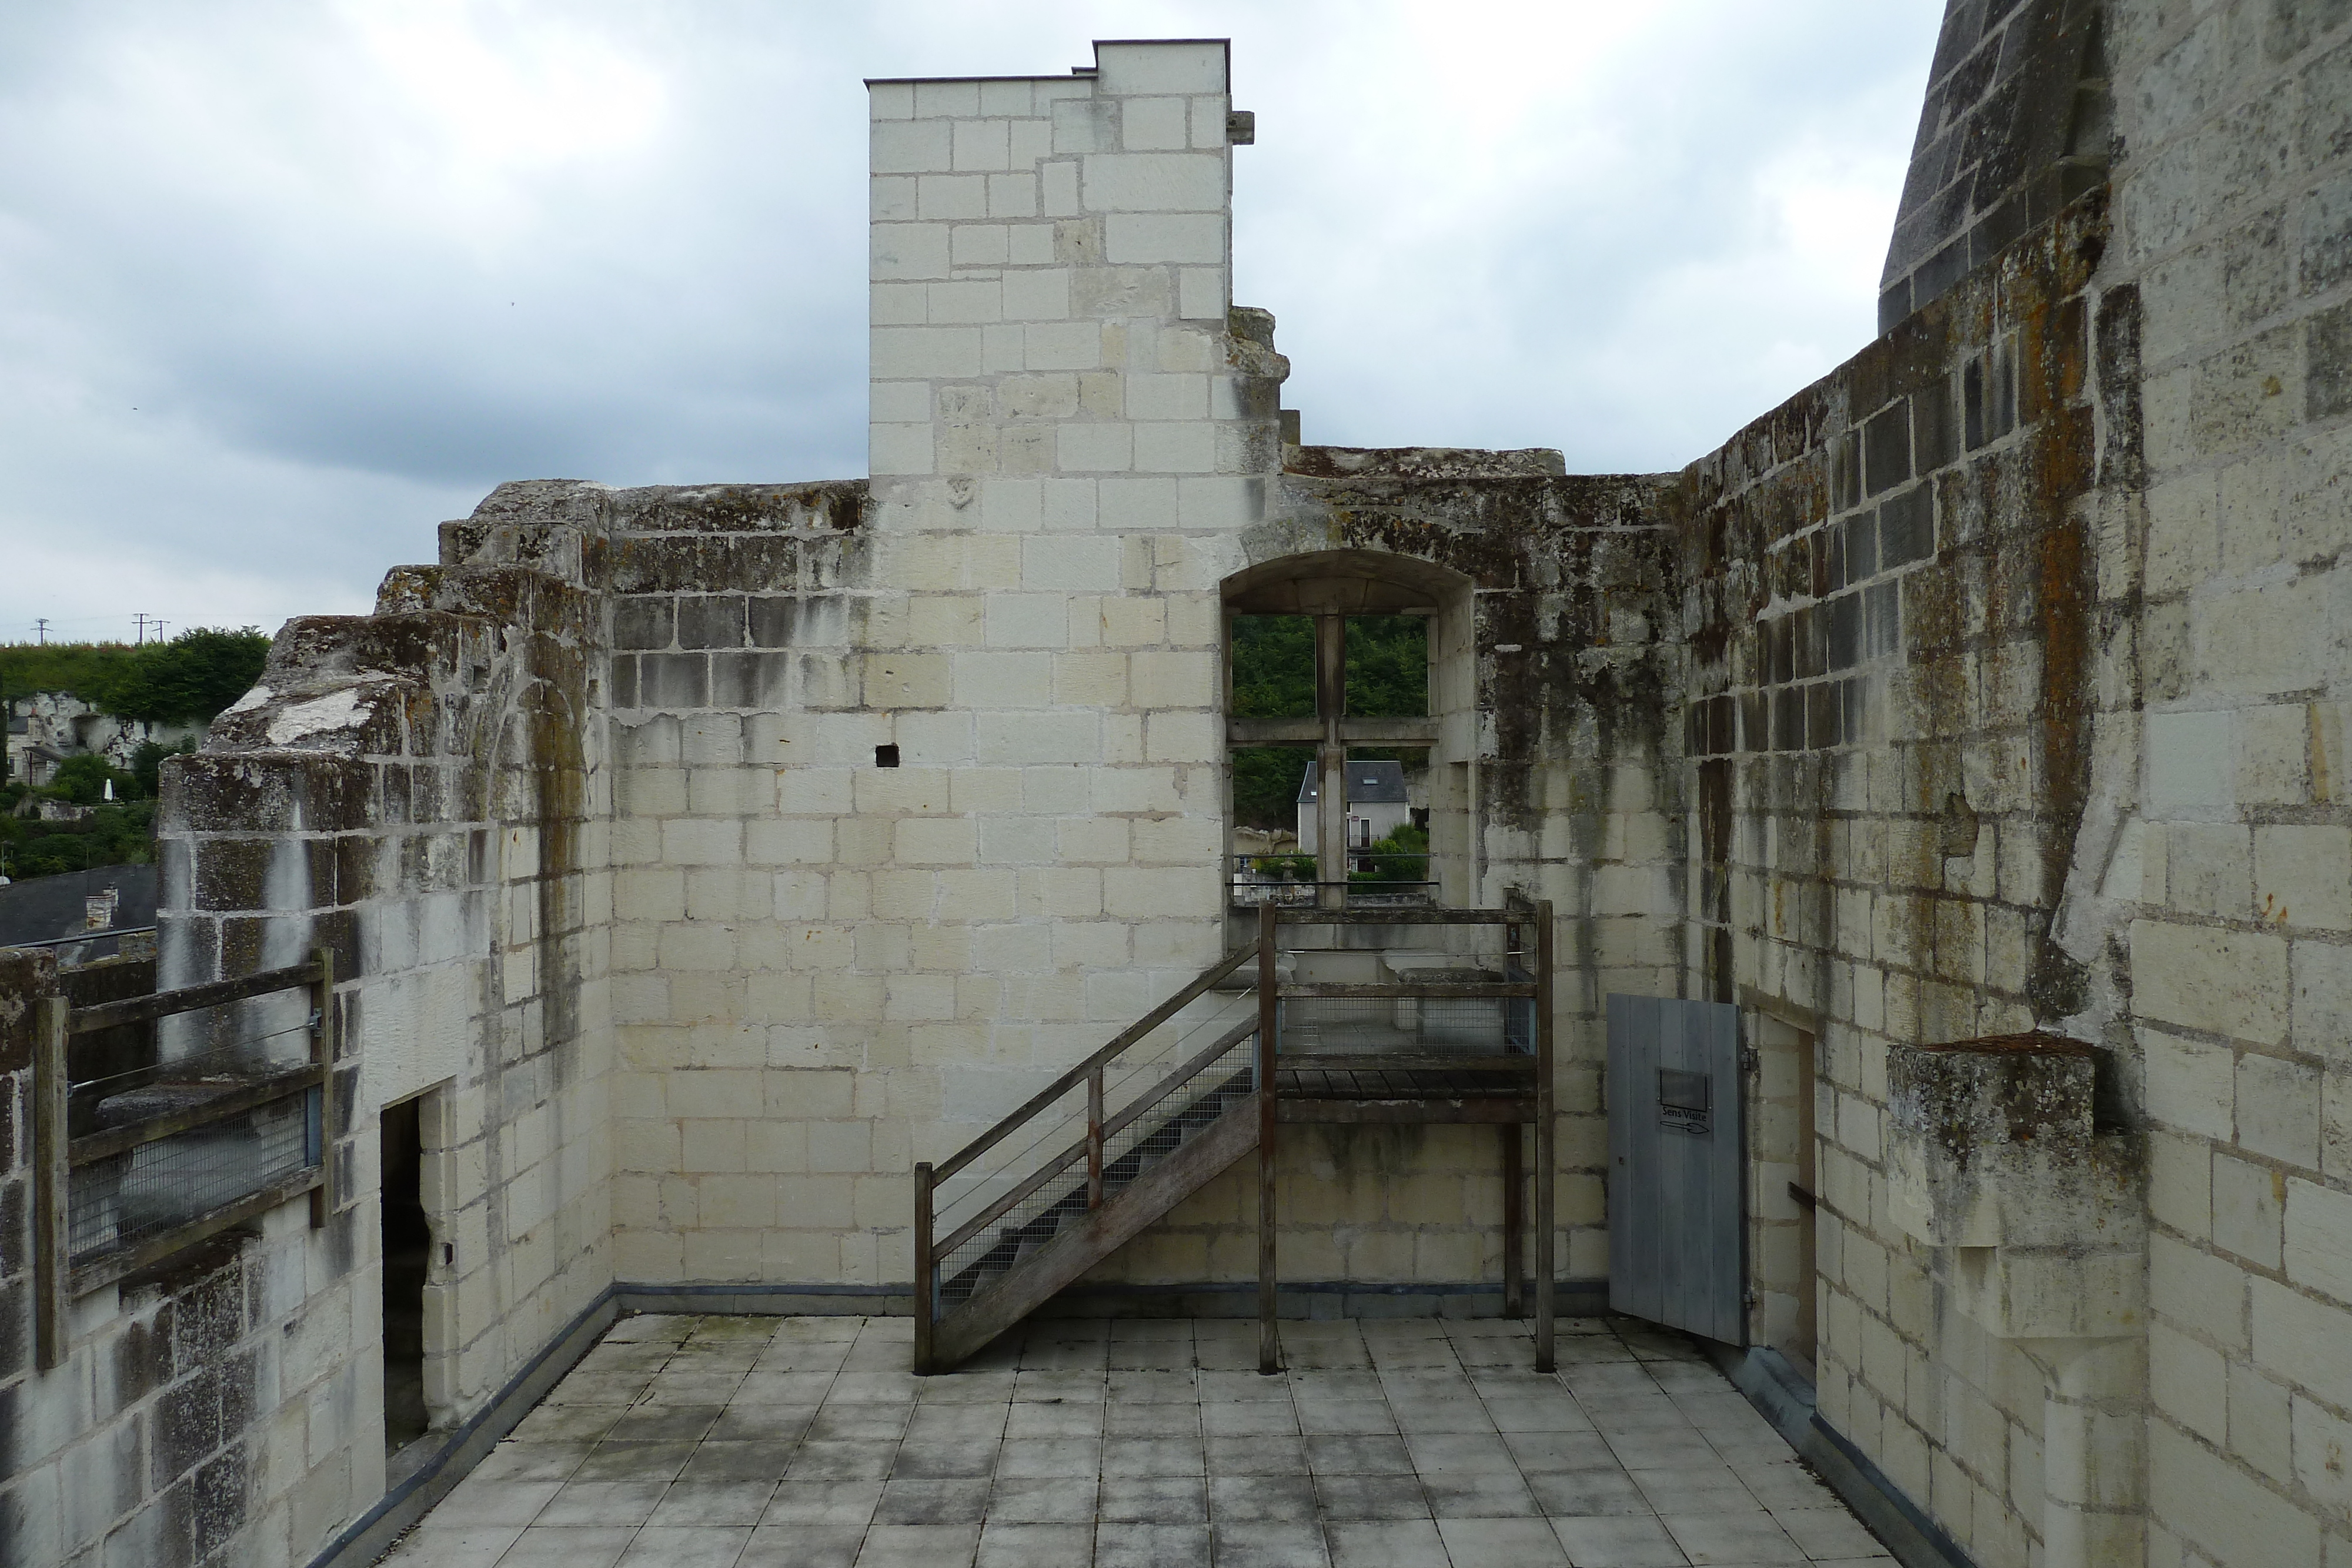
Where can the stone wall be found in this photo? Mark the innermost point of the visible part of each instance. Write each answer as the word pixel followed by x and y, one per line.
pixel 2226 902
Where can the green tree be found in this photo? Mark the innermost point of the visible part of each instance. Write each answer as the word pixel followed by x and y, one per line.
pixel 190 678
pixel 147 763
pixel 83 781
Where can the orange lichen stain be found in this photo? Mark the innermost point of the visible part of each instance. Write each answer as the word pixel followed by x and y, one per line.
pixel 2273 910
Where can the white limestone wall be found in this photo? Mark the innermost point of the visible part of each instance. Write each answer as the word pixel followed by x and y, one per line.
pixel 2231 875
pixel 1065 445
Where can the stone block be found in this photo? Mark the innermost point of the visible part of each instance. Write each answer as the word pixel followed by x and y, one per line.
pixel 2189 763
pixel 1164 238
pixel 2247 1210
pixel 2224 982
pixel 909 147
pixel 2302 876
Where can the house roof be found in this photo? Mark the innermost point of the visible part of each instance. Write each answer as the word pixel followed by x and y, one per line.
pixel 1369 784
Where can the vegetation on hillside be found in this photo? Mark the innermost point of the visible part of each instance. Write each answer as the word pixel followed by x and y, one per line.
pixel 1273 677
pixel 184 681
pixel 187 680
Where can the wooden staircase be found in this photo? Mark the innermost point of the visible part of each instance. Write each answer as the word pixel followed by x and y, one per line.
pixel 1160 1119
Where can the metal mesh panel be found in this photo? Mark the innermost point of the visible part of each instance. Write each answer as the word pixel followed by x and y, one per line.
pixel 1420 1026
pixel 151 1188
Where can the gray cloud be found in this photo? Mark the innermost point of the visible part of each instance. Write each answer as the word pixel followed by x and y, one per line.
pixel 283 285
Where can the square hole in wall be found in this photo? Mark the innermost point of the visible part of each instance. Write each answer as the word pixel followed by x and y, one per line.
pixel 885 756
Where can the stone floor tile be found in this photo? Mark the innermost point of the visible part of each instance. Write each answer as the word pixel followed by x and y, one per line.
pixel 803 1546
pixel 1061 1355
pixel 513 1461
pixel 665 1424
pixel 1358 1453
pixel 1150 1545
pixel 784 1388
pixel 1641 1542
pixel 432 1545
pixel 1153 1388
pixel 1260 1418
pixel 828 1503
pixel 1634 1412
pixel 1311 1345
pixel 1042 1418
pixel 1276 1455
pixel 841 1461
pixel 1244 1385
pixel 691 1389
pixel 1481 1452
pixel 567 1423
pixel 735 1328
pixel 1067 1499
pixel 896 1386
pixel 1461 1494
pixel 1521 1542
pixel 1464 1414
pixel 750 1423
pixel 1362 1417
pixel 607 1504
pixel 1615 1375
pixel 1269 1544
pixel 1170 1419
pixel 617 1461
pixel 1727 1538
pixel 639 1328
pixel 918 1546
pixel 966 1386
pixel 932 1502
pixel 1004 1545
pixel 1385 1544
pixel 623 1389
pixel 945 1459
pixel 1575 1494
pixel 713 1503
pixel 875 1422
pixel 959 1423
pixel 568 1546
pixel 646 1355
pixel 1561 1451
pixel 725 1461
pixel 1336 1382
pixel 1657 1449
pixel 1290 1497
pixel 1150 1355
pixel 477 1501
pixel 1060 1385
pixel 1153 1499
pixel 1152 1456
pixel 1371 1497
pixel 1039 1456
pixel 1397 1355
pixel 1692 1489
pixel 818 1358
pixel 698 1546
pixel 1828 1533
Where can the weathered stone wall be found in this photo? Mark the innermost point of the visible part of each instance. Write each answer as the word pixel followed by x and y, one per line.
pixel 421 792
pixel 1893 586
pixel 2222 928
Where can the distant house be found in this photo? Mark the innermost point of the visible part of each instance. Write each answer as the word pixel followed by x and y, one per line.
pixel 47 727
pixel 1378 804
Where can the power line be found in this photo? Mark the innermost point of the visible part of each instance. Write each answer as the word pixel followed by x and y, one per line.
pixel 41 627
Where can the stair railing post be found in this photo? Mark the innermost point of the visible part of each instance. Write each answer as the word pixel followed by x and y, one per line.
pixel 1269 1004
pixel 53 1267
pixel 1546 1180
pixel 926 1288
pixel 1093 1138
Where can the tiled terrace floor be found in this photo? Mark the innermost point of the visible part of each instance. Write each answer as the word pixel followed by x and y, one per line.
pixel 804 1442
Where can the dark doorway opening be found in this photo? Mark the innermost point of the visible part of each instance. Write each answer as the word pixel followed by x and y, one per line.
pixel 407 1251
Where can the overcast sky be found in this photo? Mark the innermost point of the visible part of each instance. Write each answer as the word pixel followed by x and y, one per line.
pixel 284 284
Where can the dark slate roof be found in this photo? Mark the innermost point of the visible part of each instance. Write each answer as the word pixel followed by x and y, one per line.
pixel 1369 784
pixel 41 907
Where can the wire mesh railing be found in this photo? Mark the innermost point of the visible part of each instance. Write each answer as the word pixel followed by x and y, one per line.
pixel 136 1164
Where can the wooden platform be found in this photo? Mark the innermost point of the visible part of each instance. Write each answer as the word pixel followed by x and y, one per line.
pixel 1391 1090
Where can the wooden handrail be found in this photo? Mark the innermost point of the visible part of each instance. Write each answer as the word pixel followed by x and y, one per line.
pixel 233 1100
pixel 1143 1026
pixel 188 999
pixel 1056 1165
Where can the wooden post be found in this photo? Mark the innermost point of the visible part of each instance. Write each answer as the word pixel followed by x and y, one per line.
pixel 1093 1138
pixel 322 1052
pixel 1514 1219
pixel 1269 1345
pixel 1546 1181
pixel 53 1265
pixel 926 1288
pixel 1331 762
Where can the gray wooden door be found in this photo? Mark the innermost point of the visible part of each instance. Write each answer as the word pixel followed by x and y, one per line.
pixel 1675 1230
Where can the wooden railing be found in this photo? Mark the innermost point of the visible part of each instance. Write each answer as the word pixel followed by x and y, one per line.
pixel 929 1248
pixel 59 1276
